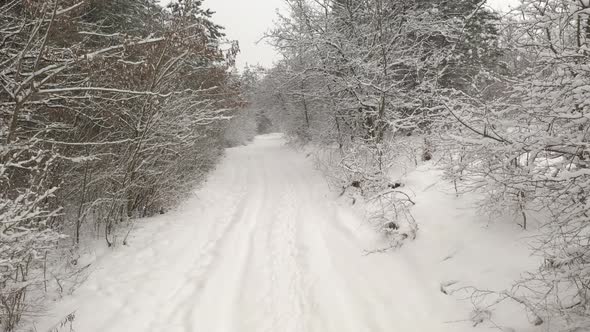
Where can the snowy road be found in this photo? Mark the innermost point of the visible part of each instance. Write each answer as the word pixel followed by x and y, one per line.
pixel 263 246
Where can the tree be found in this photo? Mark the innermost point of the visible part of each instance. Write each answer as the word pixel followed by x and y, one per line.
pixel 109 110
pixel 528 150
pixel 363 73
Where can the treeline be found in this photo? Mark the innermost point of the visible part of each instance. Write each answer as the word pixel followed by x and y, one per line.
pixel 502 103
pixel 109 110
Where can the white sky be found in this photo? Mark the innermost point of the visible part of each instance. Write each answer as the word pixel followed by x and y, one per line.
pixel 247 21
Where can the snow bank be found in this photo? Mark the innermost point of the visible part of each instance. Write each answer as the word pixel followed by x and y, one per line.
pixel 266 246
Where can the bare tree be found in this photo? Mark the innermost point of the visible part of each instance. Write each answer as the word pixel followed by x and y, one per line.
pixel 108 112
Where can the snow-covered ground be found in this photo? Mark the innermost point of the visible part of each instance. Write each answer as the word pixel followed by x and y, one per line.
pixel 264 245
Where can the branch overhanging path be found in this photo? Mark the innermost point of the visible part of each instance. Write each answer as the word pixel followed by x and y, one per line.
pixel 263 246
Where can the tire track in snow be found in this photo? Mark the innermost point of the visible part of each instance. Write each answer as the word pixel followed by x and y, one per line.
pixel 263 250
pixel 205 262
pixel 180 260
pixel 254 294
pixel 215 307
pixel 207 255
pixel 286 277
pixel 296 282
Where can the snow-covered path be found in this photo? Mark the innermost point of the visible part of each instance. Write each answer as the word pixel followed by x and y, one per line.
pixel 262 247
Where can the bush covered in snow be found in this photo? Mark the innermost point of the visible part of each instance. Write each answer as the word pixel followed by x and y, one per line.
pixel 109 110
pixel 502 105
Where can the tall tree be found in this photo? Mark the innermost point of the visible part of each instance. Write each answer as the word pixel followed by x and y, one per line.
pixel 109 110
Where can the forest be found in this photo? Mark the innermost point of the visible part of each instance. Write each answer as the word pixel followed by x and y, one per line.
pixel 499 100
pixel 109 111
pixel 115 110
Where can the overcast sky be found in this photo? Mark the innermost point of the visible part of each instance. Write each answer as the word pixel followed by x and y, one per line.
pixel 247 21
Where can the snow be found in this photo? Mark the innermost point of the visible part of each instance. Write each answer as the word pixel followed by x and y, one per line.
pixel 264 245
